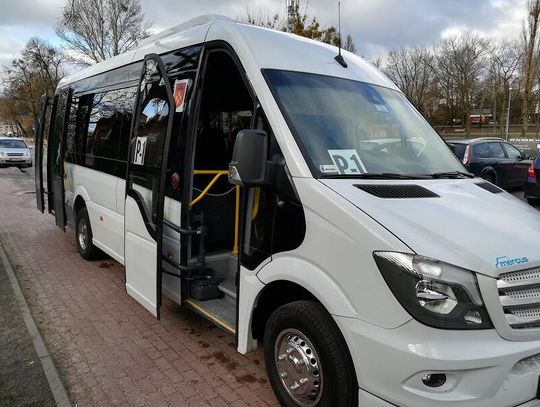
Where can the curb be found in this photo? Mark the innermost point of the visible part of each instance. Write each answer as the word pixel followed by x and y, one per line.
pixel 53 378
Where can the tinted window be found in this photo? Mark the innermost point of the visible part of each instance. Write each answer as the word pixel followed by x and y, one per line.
pixel 512 152
pixel 489 150
pixel 12 144
pixel 458 149
pixel 108 126
pixel 98 130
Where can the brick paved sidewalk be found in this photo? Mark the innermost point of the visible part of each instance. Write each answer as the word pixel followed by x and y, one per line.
pixel 108 349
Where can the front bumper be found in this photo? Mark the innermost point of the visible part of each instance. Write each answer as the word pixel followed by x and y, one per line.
pixel 482 368
pixel 16 163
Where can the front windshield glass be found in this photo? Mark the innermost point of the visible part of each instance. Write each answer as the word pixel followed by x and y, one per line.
pixel 12 144
pixel 346 127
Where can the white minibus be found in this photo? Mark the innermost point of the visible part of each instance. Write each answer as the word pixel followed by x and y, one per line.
pixel 296 199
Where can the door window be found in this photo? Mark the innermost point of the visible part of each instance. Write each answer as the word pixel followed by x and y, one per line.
pixel 148 140
pixel 512 152
pixel 489 150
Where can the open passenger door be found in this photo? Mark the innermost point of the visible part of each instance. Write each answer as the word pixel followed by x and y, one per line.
pixel 44 104
pixel 148 149
pixel 53 113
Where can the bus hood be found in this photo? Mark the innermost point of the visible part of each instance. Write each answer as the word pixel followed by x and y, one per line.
pixel 465 225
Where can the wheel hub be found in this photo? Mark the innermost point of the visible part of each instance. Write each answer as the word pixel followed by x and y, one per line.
pixel 298 367
pixel 82 234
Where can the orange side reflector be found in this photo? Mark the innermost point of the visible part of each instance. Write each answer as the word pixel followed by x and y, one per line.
pixel 101 218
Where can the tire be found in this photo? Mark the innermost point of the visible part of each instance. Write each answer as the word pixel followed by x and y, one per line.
pixel 303 333
pixel 488 176
pixel 83 236
pixel 533 201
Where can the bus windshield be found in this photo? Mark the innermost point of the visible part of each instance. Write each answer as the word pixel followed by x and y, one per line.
pixel 349 128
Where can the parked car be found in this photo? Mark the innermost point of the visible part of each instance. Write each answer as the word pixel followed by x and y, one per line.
pixel 14 152
pixel 493 159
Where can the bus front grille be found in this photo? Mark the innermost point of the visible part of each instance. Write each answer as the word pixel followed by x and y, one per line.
pixel 519 293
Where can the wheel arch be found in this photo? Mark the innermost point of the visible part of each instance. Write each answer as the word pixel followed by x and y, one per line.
pixel 290 279
pixel 80 199
pixel 489 170
pixel 273 296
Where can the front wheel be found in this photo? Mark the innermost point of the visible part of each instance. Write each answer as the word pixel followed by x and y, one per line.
pixel 83 236
pixel 307 359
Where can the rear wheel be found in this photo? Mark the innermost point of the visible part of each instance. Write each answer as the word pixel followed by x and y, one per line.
pixel 307 359
pixel 83 236
pixel 490 177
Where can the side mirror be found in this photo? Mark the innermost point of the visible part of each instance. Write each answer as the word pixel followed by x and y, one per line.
pixel 249 159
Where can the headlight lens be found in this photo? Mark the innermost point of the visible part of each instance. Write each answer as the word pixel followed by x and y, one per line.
pixel 2 154
pixel 435 293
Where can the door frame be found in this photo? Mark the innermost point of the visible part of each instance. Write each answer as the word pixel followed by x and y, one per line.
pixel 191 134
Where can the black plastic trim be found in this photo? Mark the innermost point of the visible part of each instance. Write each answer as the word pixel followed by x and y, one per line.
pixel 397 191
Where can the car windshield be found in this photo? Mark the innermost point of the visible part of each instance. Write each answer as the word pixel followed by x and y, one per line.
pixel 349 128
pixel 12 144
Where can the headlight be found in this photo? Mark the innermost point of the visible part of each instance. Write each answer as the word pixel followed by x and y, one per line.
pixel 2 154
pixel 435 293
pixel 27 154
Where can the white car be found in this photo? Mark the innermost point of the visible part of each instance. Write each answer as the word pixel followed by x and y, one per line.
pixel 14 152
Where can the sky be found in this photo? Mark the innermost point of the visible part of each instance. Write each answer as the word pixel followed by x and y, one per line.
pixel 376 26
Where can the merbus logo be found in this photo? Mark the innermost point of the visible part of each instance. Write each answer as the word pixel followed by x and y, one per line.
pixel 504 261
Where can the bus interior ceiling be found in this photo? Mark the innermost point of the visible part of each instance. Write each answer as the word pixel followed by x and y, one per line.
pixel 226 108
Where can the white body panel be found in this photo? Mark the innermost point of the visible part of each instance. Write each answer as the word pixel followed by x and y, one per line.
pixel 140 263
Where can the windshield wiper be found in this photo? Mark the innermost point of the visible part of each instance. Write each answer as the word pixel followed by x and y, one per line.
pixel 452 174
pixel 376 175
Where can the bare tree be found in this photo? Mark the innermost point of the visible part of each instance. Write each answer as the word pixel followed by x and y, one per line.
pixel 504 60
pixel 349 44
pixel 297 20
pixel 37 72
pixel 100 29
pixel 529 67
pixel 410 69
pixel 260 18
pixel 458 65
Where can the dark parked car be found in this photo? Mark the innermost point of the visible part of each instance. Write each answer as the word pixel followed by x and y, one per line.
pixel 532 186
pixel 493 159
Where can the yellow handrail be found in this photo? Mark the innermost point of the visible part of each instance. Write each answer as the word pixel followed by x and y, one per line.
pixel 217 174
pixel 257 199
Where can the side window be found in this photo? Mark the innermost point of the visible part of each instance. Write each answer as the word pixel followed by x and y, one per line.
pixel 512 152
pixel 99 128
pixel 489 150
pixel 104 127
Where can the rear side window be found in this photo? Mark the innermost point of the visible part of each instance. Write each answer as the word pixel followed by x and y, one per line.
pixel 512 151
pixel 459 150
pixel 488 150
